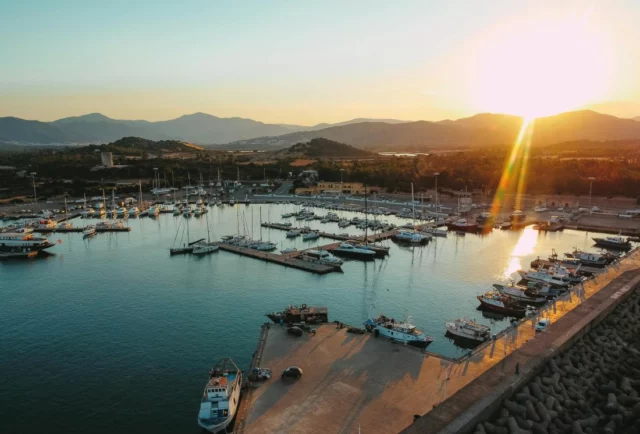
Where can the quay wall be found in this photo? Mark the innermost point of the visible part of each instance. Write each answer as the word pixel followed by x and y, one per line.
pixel 485 395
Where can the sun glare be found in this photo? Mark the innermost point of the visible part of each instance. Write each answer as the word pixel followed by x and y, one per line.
pixel 538 69
pixel 523 247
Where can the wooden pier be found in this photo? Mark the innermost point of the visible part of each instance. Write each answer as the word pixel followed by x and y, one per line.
pixel 285 260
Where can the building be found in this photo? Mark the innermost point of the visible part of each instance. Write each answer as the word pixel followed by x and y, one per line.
pixel 107 159
pixel 337 188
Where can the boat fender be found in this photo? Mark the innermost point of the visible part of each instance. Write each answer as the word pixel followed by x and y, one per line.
pixel 376 333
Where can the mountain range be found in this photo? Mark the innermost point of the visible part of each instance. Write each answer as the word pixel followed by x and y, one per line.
pixel 197 128
pixel 480 130
pixel 372 134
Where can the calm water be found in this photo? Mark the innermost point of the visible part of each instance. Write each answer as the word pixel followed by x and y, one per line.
pixel 112 334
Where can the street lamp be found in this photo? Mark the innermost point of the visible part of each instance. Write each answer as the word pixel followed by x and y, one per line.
pixel 437 211
pixel 35 196
pixel 591 179
pixel 155 175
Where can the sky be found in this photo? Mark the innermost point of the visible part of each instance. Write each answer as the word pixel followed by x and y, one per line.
pixel 306 62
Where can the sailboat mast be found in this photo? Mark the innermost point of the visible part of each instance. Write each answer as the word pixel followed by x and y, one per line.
pixel 366 214
pixel 413 207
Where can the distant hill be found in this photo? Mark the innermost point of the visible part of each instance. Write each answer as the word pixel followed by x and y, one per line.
pixel 138 145
pixel 637 118
pixel 479 130
pixel 23 131
pixel 320 148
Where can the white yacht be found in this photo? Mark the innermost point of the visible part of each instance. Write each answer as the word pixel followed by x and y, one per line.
pixel 412 237
pixel 322 257
pixel 544 277
pixel 399 331
pixel 89 231
pixel 468 329
pixel 311 236
pixel 13 241
pixel 221 396
pixel 204 248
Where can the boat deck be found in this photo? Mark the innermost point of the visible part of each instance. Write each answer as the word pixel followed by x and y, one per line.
pixel 275 258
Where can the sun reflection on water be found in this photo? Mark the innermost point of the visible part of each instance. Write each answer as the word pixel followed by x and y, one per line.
pixel 523 247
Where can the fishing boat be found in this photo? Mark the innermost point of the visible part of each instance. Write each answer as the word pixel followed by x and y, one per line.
pixel 310 236
pixel 322 257
pixel 351 251
pixel 618 243
pixel 89 231
pixel 500 303
pixel 221 396
pixel 468 329
pixel 590 259
pixel 302 313
pixel 398 331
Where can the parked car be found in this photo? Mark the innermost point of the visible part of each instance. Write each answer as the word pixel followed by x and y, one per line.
pixel 295 331
pixel 292 372
pixel 543 324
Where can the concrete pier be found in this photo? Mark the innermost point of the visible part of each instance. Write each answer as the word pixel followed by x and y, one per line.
pixel 278 259
pixel 357 382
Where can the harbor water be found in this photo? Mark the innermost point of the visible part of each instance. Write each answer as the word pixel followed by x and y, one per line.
pixel 112 334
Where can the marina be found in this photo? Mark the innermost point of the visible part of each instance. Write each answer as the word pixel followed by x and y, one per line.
pixel 183 295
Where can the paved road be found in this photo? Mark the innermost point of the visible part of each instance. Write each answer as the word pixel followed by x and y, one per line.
pixel 284 187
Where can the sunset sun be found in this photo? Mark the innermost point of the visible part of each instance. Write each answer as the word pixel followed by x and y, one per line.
pixel 539 70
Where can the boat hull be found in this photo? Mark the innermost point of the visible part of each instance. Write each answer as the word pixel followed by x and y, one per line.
pixel 506 310
pixel 611 245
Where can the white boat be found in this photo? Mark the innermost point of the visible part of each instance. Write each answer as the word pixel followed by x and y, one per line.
pixel 89 231
pixel 153 210
pixel 517 293
pixel 65 225
pixel 543 277
pixel 289 250
pixel 232 202
pixel 412 237
pixel 351 251
pixel 613 243
pixel 287 215
pixel 293 233
pixel 122 212
pixel 134 211
pixel 266 247
pixel 177 210
pixel 436 232
pixel 204 248
pixel 13 241
pixel 399 331
pixel 103 225
pixel 311 236
pixel 323 257
pixel 221 397
pixel 466 328
pixel 343 223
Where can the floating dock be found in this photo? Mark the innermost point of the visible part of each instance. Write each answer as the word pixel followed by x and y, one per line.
pixel 70 230
pixel 278 259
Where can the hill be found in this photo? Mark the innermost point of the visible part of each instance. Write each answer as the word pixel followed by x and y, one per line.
pixel 320 148
pixel 138 146
pixel 24 131
pixel 479 130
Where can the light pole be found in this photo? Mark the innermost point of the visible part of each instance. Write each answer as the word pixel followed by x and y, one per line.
pixel 35 196
pixel 437 210
pixel 591 179
pixel 155 175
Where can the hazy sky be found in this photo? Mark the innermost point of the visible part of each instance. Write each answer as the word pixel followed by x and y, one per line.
pixel 322 61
